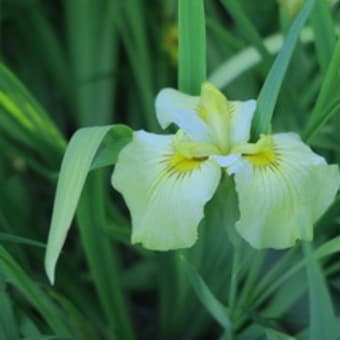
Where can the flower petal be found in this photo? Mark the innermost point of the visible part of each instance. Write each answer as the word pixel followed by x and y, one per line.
pixel 280 201
pixel 229 121
pixel 173 106
pixel 242 116
pixel 164 191
pixel 210 118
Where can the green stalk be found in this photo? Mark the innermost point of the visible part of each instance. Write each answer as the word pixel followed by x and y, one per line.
pixel 191 74
pixel 233 279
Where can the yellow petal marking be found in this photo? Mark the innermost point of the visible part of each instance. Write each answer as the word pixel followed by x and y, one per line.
pixel 181 164
pixel 260 154
pixel 264 158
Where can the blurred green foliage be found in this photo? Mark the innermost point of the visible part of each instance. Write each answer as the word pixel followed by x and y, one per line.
pixel 69 64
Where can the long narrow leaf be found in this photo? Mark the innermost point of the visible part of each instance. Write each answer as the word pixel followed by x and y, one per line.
pixel 76 164
pixel 16 276
pixel 270 90
pixel 214 307
pixel 328 94
pixel 324 32
pixel 192 45
pixel 246 27
pixel 8 329
pixel 322 318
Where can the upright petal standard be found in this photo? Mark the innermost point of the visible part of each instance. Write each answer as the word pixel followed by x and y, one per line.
pixel 210 118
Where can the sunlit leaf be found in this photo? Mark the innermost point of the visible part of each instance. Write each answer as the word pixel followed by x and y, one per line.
pixel 76 164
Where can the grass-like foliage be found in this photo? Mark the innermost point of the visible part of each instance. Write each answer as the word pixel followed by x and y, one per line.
pixel 76 78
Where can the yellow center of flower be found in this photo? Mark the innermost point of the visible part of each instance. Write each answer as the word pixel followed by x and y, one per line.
pixel 180 163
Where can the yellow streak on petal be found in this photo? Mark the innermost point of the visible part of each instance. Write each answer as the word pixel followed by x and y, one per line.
pixel 263 158
pixel 180 163
pixel 202 112
pixel 262 153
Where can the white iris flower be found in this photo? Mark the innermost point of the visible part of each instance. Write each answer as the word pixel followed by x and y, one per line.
pixel 166 180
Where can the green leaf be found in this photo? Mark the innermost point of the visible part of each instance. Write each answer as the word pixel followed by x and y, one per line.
pixel 272 334
pixel 102 257
pixel 213 306
pixel 131 24
pixel 270 90
pixel 23 119
pixel 92 37
pixel 114 141
pixel 330 247
pixel 322 318
pixel 324 32
pixel 249 57
pixel 76 164
pixel 246 27
pixel 8 324
pixel 327 103
pixel 33 293
pixel 192 46
pixel 4 237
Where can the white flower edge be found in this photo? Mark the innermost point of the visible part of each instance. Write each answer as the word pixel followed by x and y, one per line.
pixel 280 204
pixel 166 206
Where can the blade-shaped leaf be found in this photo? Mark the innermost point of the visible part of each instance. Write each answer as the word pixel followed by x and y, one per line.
pixel 76 164
pixel 327 98
pixel 322 318
pixel 214 307
pixel 33 293
pixel 247 29
pixel 114 141
pixel 23 118
pixel 270 90
pixel 5 237
pixel 323 27
pixel 328 248
pixel 192 45
pixel 8 322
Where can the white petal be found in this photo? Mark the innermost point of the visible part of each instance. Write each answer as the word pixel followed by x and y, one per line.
pixel 279 203
pixel 226 161
pixel 229 121
pixel 173 106
pixel 166 205
pixel 241 121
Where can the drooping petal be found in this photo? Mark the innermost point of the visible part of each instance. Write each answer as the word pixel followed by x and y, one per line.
pixel 164 191
pixel 173 106
pixel 283 188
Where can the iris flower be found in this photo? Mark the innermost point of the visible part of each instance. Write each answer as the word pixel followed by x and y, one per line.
pixel 283 186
